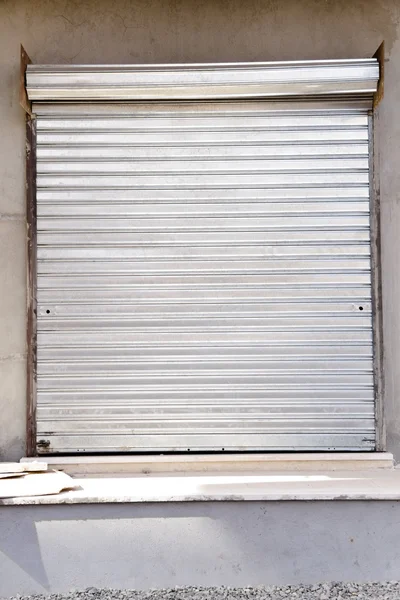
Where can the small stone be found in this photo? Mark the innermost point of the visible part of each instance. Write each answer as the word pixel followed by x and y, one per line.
pixel 323 591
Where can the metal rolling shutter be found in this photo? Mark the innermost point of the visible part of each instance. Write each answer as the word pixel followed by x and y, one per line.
pixel 204 276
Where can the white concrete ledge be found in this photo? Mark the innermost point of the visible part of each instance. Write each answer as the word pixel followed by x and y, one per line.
pixel 219 463
pixel 378 484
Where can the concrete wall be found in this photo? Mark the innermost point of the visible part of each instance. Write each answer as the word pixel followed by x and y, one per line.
pixel 59 548
pixel 130 31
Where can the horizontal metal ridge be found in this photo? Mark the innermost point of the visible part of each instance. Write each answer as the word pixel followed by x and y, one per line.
pixel 126 272
pixel 185 385
pixel 64 342
pixel 319 424
pixel 210 418
pixel 149 296
pixel 324 238
pixel 57 351
pixel 69 310
pixel 65 153
pixel 227 194
pixel 193 395
pixel 357 104
pixel 205 167
pixel 257 424
pixel 125 269
pixel 336 324
pixel 262 429
pixel 170 361
pixel 205 323
pixel 192 139
pixel 263 120
pixel 186 353
pixel 150 403
pixel 69 357
pixel 194 131
pixel 154 412
pixel 208 421
pixel 219 209
pixel 115 289
pixel 206 281
pixel 207 221
pixel 153 404
pixel 197 181
pixel 232 373
pixel 233 250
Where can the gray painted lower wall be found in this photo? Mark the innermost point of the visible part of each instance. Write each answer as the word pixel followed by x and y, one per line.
pixel 59 548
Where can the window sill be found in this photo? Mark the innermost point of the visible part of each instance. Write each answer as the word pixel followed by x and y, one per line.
pixel 377 484
pixel 216 463
pixel 323 477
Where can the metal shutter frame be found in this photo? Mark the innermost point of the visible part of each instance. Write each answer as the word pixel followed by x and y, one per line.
pixel 204 268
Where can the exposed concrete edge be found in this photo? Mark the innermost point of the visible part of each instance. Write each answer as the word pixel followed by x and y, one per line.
pixel 378 484
pixel 217 463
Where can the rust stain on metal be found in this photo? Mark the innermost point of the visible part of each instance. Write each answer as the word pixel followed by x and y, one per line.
pixel 380 56
pixel 23 96
pixel 31 284
pixel 43 444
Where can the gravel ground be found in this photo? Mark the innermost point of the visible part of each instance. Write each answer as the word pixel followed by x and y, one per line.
pixel 323 591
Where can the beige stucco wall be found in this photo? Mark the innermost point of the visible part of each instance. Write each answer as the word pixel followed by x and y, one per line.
pixel 144 31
